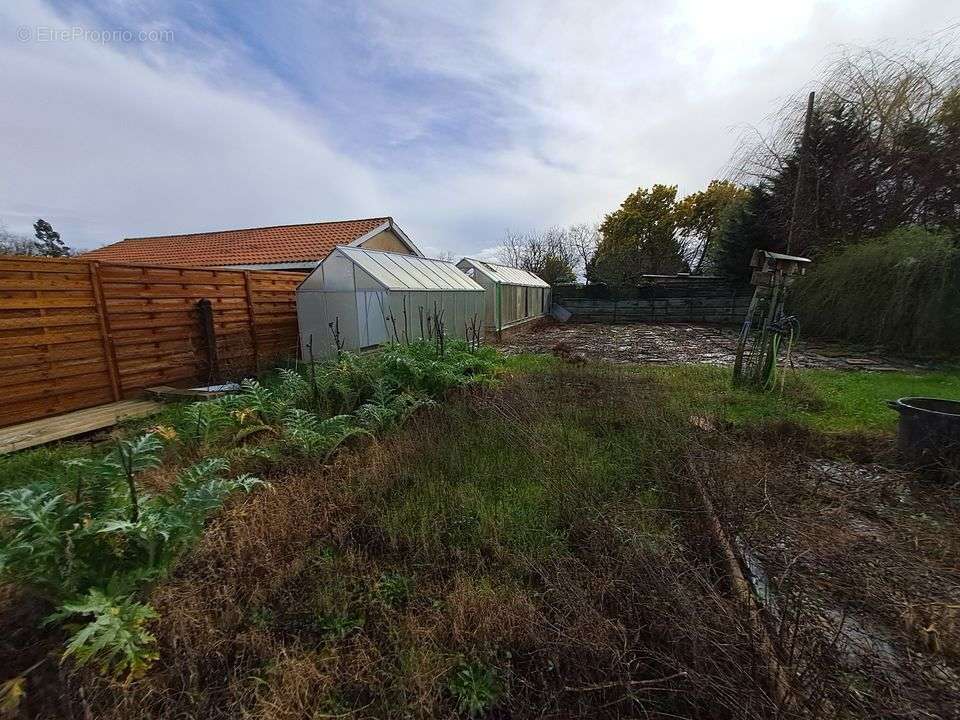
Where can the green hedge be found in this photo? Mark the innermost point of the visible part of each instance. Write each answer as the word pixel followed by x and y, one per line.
pixel 901 291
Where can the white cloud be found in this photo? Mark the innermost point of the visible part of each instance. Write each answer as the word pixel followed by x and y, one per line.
pixel 592 99
pixel 106 145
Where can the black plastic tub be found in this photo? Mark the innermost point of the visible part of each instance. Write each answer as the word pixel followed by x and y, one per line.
pixel 929 430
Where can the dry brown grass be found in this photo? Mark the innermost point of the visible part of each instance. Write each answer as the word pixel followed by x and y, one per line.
pixel 589 631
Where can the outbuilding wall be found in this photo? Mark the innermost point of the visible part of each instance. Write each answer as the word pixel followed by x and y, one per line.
pixel 507 303
pixel 520 304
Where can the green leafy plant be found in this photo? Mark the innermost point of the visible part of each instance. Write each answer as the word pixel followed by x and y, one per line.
pixel 90 537
pixel 33 548
pixel 476 687
pixel 338 627
pixel 128 459
pixel 418 368
pixel 388 408
pixel 263 618
pixel 93 528
pixel 307 434
pixel 393 589
pixel 114 634
pixel 203 423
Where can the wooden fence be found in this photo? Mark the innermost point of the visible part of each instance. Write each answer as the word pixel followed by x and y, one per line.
pixel 75 333
pixel 660 299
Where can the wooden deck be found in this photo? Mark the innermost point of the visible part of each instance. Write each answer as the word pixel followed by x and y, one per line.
pixel 38 432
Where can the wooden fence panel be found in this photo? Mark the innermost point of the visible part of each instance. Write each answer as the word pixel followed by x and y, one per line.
pixel 76 333
pixel 52 349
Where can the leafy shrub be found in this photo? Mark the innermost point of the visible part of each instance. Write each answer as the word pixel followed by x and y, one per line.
pixel 393 589
pixel 901 291
pixel 416 368
pixel 388 408
pixel 203 423
pixel 306 434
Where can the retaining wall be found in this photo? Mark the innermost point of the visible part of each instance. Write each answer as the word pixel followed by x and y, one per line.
pixel 660 299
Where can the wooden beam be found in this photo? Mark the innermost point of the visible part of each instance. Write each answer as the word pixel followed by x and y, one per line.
pixel 205 311
pixel 109 355
pixel 253 321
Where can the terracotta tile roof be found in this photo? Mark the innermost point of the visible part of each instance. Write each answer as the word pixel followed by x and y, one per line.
pixel 251 246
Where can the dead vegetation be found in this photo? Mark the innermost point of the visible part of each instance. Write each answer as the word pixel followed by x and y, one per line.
pixel 856 564
pixel 664 343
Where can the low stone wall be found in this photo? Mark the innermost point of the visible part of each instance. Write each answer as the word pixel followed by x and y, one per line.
pixel 668 299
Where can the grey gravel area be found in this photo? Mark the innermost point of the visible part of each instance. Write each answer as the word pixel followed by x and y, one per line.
pixel 675 344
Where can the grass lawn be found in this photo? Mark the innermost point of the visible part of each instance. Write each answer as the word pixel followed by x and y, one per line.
pixel 824 400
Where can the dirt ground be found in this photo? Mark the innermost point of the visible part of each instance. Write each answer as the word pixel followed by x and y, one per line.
pixel 676 344
pixel 859 570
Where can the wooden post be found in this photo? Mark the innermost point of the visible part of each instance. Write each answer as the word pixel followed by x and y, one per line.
pixel 252 321
pixel 205 311
pixel 804 142
pixel 109 353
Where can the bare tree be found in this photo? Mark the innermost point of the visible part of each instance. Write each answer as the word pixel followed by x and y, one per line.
pixel 883 150
pixel 16 244
pixel 555 254
pixel 584 239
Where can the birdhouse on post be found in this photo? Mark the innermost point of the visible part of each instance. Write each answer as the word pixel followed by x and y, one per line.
pixel 771 269
pixel 765 325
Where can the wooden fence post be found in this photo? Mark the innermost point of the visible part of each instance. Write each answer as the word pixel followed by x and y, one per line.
pixel 205 311
pixel 252 321
pixel 109 353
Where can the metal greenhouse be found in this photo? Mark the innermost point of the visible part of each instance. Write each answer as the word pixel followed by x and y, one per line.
pixel 367 298
pixel 514 296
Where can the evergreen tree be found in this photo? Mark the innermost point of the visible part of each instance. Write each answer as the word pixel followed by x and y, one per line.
pixel 556 271
pixel 746 228
pixel 49 243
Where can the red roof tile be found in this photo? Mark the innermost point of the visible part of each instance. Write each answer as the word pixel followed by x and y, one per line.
pixel 309 242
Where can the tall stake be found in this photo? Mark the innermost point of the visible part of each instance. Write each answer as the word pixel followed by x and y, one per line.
pixel 804 141
pixel 335 331
pixel 126 462
pixel 205 311
pixel 313 373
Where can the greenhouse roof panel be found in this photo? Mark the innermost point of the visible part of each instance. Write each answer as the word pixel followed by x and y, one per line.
pixel 507 275
pixel 409 272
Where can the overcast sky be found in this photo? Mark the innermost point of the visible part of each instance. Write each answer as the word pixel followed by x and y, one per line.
pixel 460 119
